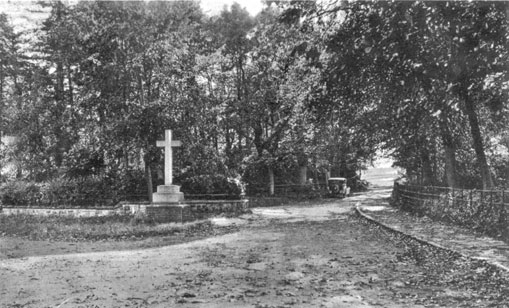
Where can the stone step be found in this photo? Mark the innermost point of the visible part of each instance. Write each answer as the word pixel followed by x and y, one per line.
pixel 167 197
pixel 168 189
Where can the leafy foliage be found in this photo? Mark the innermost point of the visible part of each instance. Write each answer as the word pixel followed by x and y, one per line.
pixel 19 193
pixel 318 87
pixel 84 192
pixel 397 73
pixel 211 187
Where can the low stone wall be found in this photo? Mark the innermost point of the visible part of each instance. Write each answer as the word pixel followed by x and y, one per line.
pixel 187 210
pixel 164 212
pixel 206 208
pixel 268 201
pixel 61 211
pixel 169 213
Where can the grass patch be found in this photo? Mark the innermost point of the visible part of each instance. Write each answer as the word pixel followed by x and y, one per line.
pixel 119 227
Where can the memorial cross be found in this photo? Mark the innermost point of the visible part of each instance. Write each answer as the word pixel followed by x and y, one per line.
pixel 167 144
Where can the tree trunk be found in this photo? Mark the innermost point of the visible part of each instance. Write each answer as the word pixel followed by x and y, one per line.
pixel 487 181
pixel 271 181
pixel 427 172
pixel 19 171
pixel 148 177
pixel 450 165
pixel 449 151
pixel 303 175
pixel 303 168
pixel 449 155
pixel 69 79
pixel 59 90
pixel 1 85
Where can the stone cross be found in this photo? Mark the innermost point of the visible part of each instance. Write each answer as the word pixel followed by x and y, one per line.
pixel 167 144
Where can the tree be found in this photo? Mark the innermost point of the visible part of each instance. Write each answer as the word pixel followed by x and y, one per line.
pixel 404 51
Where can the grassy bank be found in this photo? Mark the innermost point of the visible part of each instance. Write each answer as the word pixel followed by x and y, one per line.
pixel 92 228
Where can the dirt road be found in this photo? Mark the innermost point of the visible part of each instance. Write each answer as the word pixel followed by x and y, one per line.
pixel 306 255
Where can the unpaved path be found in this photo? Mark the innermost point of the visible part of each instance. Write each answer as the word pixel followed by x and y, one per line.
pixel 306 255
pixel 451 236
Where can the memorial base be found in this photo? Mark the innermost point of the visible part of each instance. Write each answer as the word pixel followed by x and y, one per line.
pixel 167 194
pixel 189 210
pixel 169 212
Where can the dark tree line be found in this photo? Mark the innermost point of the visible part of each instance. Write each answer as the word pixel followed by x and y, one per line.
pixel 300 87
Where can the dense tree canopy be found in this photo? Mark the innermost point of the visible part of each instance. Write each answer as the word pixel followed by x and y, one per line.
pixel 300 87
pixel 418 73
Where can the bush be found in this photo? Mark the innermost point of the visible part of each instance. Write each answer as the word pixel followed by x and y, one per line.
pixel 87 192
pixel 90 191
pixel 211 187
pixel 19 193
pixel 95 191
pixel 130 184
pixel 356 184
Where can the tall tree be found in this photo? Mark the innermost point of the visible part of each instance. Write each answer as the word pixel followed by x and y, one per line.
pixel 397 50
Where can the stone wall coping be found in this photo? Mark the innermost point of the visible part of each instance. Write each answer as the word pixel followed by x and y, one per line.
pixel 109 208
pixel 132 202
pixel 183 202
pixel 214 201
pixel 166 204
pixel 125 203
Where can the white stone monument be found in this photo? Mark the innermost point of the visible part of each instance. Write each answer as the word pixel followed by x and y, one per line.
pixel 168 192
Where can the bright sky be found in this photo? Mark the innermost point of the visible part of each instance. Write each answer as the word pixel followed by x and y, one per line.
pixel 17 9
pixel 18 12
pixel 23 17
pixel 213 7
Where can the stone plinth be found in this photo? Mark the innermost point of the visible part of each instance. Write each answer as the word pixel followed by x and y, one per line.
pixel 188 210
pixel 168 212
pixel 167 194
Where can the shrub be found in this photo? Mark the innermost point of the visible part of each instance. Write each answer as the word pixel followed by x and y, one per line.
pixel 356 184
pixel 130 184
pixel 19 193
pixel 90 191
pixel 85 192
pixel 211 187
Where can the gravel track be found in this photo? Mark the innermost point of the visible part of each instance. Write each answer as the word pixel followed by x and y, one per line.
pixel 301 255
